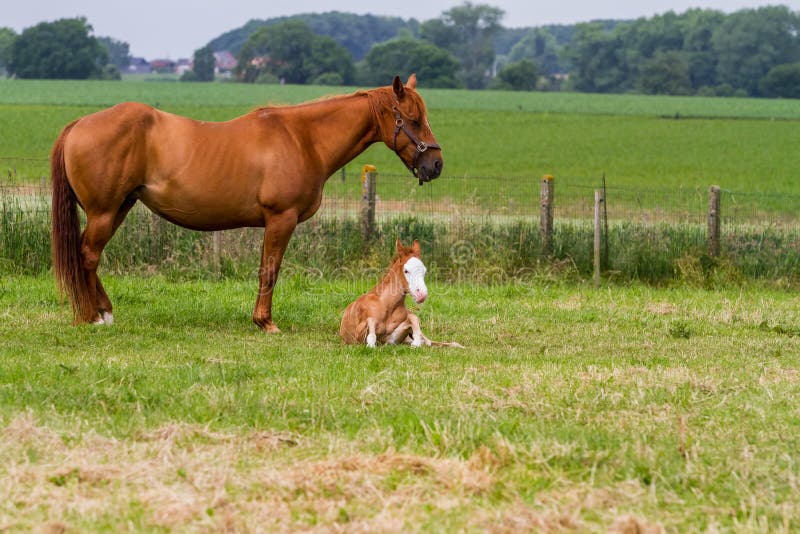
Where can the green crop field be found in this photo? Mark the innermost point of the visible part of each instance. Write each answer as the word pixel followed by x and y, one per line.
pixel 626 409
pixel 745 145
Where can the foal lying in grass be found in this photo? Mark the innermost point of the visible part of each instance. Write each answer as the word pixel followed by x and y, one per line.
pixel 381 316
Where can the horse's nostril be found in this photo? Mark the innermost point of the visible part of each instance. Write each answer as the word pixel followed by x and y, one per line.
pixel 437 165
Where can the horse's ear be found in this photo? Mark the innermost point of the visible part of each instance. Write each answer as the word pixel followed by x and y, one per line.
pixel 412 82
pixel 415 248
pixel 397 85
pixel 398 246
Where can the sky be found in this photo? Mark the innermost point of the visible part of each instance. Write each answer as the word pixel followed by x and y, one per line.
pixel 176 28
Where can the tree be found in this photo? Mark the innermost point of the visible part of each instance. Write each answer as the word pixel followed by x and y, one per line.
pixel 434 67
pixel 700 27
pixel 118 52
pixel 666 73
pixel 327 59
pixel 538 46
pixel 519 76
pixel 467 31
pixel 7 37
pixel 280 49
pixel 293 53
pixel 203 64
pixel 782 81
pixel 595 55
pixel 752 41
pixel 61 49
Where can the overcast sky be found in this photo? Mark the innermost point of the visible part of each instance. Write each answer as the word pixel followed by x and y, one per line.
pixel 175 28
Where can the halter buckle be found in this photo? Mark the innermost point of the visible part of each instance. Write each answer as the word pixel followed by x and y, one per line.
pixel 422 147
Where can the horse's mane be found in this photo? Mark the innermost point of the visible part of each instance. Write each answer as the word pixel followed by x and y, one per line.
pixel 382 96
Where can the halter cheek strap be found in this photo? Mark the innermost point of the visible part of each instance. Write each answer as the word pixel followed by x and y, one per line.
pixel 419 145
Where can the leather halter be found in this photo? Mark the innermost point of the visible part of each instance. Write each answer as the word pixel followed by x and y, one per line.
pixel 419 145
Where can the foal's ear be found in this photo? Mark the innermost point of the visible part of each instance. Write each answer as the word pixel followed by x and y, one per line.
pixel 415 248
pixel 398 246
pixel 412 82
pixel 397 85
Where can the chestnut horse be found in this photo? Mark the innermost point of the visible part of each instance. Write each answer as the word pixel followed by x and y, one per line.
pixel 264 169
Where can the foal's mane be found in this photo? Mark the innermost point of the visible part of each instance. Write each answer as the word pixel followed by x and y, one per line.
pixel 407 252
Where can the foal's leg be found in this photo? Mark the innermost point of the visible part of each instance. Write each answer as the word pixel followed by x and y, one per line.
pixel 278 231
pixel 400 333
pixel 418 338
pixel 372 337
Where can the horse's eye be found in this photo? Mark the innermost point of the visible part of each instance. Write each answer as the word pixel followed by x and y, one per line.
pixel 405 271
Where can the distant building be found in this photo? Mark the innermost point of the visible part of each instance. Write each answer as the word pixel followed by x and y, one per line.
pixel 162 66
pixel 139 65
pixel 224 64
pixel 182 66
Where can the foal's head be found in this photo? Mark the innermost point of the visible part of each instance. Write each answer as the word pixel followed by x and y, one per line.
pixel 404 127
pixel 409 264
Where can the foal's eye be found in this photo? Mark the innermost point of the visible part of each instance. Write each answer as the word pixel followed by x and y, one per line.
pixel 405 271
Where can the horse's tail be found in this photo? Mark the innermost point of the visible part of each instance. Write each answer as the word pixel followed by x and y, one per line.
pixel 66 235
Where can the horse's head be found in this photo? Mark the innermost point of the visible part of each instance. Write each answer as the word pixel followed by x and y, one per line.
pixel 409 261
pixel 404 127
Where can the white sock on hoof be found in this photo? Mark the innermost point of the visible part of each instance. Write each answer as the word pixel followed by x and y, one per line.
pixel 371 339
pixel 108 318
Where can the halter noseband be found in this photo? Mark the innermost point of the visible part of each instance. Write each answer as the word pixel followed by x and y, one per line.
pixel 419 145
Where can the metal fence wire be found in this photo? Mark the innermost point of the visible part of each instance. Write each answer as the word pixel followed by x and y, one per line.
pixel 458 220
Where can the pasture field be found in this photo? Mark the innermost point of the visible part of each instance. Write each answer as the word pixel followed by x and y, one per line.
pixel 626 409
pixel 740 144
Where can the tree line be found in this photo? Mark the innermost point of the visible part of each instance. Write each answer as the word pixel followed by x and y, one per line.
pixel 751 52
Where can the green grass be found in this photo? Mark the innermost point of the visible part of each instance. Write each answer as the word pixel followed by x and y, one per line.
pixel 569 406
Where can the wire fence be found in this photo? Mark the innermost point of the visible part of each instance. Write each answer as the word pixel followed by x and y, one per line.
pixel 491 222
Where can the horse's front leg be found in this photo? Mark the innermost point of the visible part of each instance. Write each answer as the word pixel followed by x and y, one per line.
pixel 278 231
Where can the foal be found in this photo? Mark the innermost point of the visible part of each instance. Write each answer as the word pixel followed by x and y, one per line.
pixel 381 316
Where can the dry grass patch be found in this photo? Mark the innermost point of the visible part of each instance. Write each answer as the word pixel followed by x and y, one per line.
pixel 186 477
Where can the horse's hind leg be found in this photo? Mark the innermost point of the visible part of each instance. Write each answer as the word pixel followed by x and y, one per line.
pixel 104 307
pixel 99 229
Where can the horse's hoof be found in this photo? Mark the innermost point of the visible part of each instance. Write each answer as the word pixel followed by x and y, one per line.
pixel 271 328
pixel 105 318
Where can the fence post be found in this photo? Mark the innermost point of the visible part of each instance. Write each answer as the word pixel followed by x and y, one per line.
pixel 546 214
pixel 714 221
pixel 598 200
pixel 215 245
pixel 368 178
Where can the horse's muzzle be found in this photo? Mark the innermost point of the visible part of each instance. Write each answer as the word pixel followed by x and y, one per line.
pixel 429 170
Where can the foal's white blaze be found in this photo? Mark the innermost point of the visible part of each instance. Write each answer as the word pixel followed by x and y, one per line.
pixel 415 270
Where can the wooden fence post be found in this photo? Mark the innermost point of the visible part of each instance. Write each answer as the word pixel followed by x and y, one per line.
pixel 598 200
pixel 714 221
pixel 546 214
pixel 215 246
pixel 368 178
